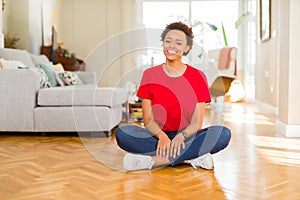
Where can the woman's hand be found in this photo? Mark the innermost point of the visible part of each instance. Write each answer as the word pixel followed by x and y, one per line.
pixel 163 146
pixel 176 145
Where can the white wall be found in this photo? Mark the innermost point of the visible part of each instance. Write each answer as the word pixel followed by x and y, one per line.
pixel 35 13
pixel 267 63
pixel 17 24
pixel 294 72
pixel 84 25
pixel 89 23
pixel 288 121
pixel 27 23
pixel 81 25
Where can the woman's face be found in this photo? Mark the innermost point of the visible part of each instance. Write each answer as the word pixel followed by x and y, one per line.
pixel 175 44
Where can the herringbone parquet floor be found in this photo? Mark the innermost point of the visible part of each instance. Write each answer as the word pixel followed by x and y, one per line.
pixel 258 164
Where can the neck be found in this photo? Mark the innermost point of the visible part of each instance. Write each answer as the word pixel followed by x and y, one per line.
pixel 175 64
pixel 174 69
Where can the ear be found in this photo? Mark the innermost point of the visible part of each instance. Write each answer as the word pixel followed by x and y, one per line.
pixel 188 47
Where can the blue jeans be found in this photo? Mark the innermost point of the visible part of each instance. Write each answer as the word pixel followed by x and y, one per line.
pixel 138 140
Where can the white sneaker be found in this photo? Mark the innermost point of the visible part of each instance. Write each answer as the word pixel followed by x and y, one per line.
pixel 133 162
pixel 205 161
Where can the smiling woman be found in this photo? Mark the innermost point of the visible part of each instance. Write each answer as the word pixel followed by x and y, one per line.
pixel 173 96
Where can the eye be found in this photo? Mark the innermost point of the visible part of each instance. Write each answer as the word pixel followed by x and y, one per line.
pixel 179 43
pixel 168 41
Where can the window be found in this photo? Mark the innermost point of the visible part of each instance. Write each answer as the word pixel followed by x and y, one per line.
pixel 197 14
pixel 158 14
pixel 216 13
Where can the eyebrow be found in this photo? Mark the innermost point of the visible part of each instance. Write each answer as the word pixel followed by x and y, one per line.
pixel 176 39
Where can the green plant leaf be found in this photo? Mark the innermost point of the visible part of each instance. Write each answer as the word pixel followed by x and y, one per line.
pixel 241 19
pixel 224 35
pixel 213 27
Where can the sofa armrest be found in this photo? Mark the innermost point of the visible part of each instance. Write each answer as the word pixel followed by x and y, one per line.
pixel 18 90
pixel 87 77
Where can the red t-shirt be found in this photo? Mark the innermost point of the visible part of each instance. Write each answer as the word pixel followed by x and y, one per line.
pixel 173 98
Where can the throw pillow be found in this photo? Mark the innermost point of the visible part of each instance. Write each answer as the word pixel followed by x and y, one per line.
pixel 70 78
pixel 44 83
pixel 49 70
pixel 12 64
pixel 58 79
pixel 59 67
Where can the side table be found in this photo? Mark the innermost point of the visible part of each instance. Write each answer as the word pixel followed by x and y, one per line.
pixel 135 111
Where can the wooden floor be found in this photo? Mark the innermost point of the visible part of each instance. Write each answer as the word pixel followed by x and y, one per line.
pixel 258 164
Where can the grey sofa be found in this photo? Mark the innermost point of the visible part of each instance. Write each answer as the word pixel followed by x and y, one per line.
pixel 25 107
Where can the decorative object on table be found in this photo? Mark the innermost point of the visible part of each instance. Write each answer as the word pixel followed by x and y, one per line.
pixel 11 41
pixel 135 111
pixel 69 63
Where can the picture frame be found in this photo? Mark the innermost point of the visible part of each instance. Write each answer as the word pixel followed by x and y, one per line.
pixel 265 20
pixel 3 5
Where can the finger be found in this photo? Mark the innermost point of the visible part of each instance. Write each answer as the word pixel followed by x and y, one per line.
pixel 158 151
pixel 171 149
pixel 178 150
pixel 161 152
pixel 168 151
pixel 174 151
pixel 183 145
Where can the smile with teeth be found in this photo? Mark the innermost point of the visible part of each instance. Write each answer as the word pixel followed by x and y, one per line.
pixel 171 51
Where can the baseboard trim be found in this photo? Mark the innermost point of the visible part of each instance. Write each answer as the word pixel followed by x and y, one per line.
pixel 288 130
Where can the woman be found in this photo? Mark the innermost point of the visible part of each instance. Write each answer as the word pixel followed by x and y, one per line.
pixel 173 95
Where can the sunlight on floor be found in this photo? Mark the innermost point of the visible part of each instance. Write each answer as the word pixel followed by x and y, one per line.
pixel 284 151
pixel 250 118
pixel 241 114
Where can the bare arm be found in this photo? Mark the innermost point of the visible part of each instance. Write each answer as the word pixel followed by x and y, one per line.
pixel 197 119
pixel 148 119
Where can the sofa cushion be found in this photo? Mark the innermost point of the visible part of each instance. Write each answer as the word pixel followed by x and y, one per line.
pixel 82 95
pixel 39 59
pixel 17 54
pixel 77 118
